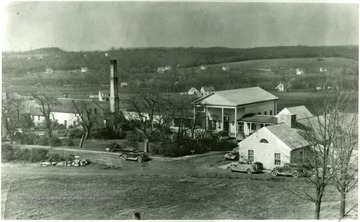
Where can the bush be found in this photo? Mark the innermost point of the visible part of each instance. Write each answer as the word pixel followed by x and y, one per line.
pixel 55 141
pixel 30 139
pixel 106 133
pixel 68 142
pixel 38 154
pixel 7 153
pixel 183 147
pixel 75 133
pixel 42 141
pixel 54 157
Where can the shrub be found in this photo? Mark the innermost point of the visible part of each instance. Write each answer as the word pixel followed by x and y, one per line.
pixel 106 133
pixel 75 133
pixel 38 154
pixel 18 137
pixel 55 141
pixel 7 152
pixel 183 147
pixel 68 142
pixel 42 141
pixel 54 157
pixel 131 143
pixel 30 139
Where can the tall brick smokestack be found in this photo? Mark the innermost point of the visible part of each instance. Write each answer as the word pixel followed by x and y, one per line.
pixel 114 98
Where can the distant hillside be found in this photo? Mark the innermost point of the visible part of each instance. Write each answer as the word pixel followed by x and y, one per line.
pixel 147 60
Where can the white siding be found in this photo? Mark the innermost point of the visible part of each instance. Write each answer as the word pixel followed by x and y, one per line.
pixel 62 117
pixel 265 152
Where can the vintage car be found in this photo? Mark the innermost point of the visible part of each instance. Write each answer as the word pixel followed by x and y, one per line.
pixel 131 153
pixel 245 166
pixel 288 169
pixel 233 155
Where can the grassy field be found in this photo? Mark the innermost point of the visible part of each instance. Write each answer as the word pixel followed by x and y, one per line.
pixel 110 196
pixel 185 188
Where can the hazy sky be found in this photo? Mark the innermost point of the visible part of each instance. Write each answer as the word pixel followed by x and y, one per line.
pixel 101 25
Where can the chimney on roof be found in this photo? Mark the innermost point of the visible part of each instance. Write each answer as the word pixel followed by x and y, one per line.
pixel 287 119
pixel 114 97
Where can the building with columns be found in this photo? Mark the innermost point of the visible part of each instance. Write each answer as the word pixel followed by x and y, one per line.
pixel 224 110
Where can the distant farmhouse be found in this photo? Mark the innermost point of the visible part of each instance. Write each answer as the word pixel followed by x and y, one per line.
pixel 202 67
pixel 84 69
pixel 193 91
pixel 282 87
pixel 322 69
pixel 161 69
pixel 206 90
pixel 299 71
pixel 225 68
pixel 124 84
pixel 49 70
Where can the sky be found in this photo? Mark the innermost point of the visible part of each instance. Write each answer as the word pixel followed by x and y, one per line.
pixel 75 26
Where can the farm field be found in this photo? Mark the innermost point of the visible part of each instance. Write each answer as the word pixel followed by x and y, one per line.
pixel 193 188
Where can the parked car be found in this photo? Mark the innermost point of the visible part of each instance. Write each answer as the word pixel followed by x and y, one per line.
pixel 245 166
pixel 289 170
pixel 233 155
pixel 131 153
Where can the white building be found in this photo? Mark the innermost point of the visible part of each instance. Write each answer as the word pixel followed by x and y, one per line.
pixel 223 110
pixel 193 91
pixel 299 71
pixel 272 145
pixel 84 69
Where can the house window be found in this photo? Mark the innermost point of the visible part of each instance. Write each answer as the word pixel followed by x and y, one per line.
pixel 263 141
pixel 65 123
pixel 95 110
pixel 277 159
pixel 39 118
pixel 251 155
pixel 270 112
pixel 259 113
pixel 301 154
pixel 265 113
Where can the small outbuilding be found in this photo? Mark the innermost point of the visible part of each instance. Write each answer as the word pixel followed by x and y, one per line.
pixel 193 91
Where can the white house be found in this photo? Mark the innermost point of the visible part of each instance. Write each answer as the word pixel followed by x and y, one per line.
pixel 299 71
pixel 206 90
pixel 84 69
pixel 223 110
pixel 202 67
pixel 160 69
pixel 193 91
pixel 322 69
pixel 272 145
pixel 124 84
pixel 301 112
pixel 280 87
pixel 167 68
pixel 225 68
pixel 49 70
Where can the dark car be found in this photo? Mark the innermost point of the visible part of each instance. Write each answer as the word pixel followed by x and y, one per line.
pixel 131 153
pixel 233 155
pixel 246 166
pixel 288 169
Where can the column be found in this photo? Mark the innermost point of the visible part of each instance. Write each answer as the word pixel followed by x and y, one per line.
pixel 236 125
pixel 222 118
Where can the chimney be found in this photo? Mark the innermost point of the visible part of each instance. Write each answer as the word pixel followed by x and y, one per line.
pixel 114 98
pixel 287 119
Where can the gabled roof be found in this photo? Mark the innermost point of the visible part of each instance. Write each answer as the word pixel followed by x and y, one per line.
pixel 300 111
pixel 236 97
pixel 288 135
pixel 208 88
pixel 260 119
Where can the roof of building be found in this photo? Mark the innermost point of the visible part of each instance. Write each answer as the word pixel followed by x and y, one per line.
pixel 236 97
pixel 260 119
pixel 208 88
pixel 287 135
pixel 300 111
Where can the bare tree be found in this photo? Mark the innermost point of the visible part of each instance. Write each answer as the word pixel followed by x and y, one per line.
pixel 11 116
pixel 88 118
pixel 344 161
pixel 46 103
pixel 322 132
pixel 152 114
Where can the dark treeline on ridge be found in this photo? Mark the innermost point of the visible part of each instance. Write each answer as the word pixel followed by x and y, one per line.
pixel 146 60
